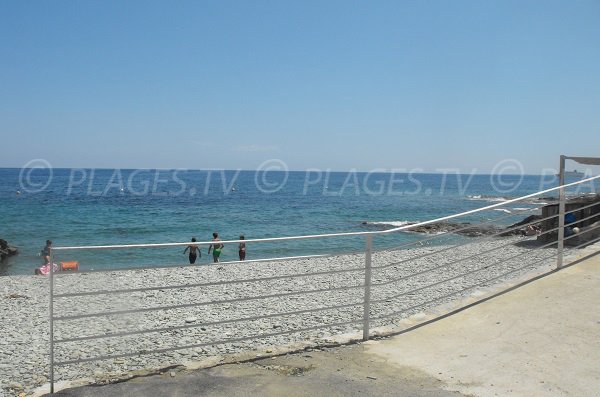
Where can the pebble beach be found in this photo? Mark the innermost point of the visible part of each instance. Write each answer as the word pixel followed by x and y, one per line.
pixel 231 303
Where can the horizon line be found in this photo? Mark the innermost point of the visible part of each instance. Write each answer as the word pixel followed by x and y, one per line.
pixel 352 170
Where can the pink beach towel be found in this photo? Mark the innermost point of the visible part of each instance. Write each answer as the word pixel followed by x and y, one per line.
pixel 45 269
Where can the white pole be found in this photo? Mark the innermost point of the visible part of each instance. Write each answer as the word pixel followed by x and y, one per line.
pixel 561 213
pixel 51 264
pixel 367 303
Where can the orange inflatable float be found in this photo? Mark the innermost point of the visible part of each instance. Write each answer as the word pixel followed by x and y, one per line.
pixel 69 266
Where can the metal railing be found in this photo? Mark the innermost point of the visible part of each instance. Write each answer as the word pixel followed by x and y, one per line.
pixel 372 287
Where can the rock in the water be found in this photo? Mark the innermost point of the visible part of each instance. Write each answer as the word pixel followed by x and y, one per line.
pixel 7 250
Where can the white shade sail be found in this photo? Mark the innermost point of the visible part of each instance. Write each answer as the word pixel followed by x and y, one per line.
pixel 585 160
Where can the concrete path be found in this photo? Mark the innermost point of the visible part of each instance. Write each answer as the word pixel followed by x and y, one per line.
pixel 347 371
pixel 542 339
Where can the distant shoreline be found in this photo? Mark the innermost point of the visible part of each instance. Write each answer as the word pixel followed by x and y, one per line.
pixel 404 172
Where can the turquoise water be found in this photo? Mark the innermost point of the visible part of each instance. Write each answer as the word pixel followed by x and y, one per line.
pixel 101 207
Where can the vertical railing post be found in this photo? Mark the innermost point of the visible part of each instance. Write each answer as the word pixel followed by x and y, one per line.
pixel 367 301
pixel 51 321
pixel 561 214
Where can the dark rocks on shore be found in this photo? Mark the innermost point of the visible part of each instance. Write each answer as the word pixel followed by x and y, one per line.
pixel 463 228
pixel 466 228
pixel 548 198
pixel 6 250
pixel 531 219
pixel 477 230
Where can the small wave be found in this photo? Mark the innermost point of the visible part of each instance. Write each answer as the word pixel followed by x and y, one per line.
pixel 523 209
pixel 481 197
pixel 535 202
pixel 390 223
pixel 503 210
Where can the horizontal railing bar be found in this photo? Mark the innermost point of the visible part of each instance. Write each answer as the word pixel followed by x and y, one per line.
pixel 473 286
pixel 196 285
pixel 201 265
pixel 583 208
pixel 570 224
pixel 184 286
pixel 320 324
pixel 208 243
pixel 330 235
pixel 587 242
pixel 308 292
pixel 395 280
pixel 458 276
pixel 288 258
pixel 584 219
pixel 472 256
pixel 580 233
pixel 236 320
pixel 181 327
pixel 186 305
pixel 218 342
pixel 558 227
pixel 463 290
pixel 474 241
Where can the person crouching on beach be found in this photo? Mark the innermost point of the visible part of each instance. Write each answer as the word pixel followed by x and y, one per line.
pixel 216 248
pixel 194 251
pixel 45 253
pixel 242 249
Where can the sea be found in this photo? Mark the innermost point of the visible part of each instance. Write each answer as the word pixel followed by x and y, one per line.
pixel 83 207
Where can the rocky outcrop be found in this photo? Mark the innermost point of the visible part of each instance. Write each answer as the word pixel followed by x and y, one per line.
pixel 6 250
pixel 463 228
pixel 466 228
pixel 515 230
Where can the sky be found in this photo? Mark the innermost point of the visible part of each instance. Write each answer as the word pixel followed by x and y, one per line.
pixel 336 85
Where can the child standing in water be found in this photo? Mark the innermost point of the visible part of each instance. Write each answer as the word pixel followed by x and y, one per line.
pixel 242 249
pixel 216 248
pixel 194 251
